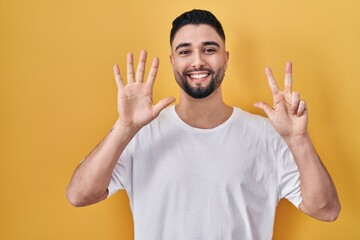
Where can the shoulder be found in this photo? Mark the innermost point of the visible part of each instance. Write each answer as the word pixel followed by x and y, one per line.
pixel 251 120
pixel 159 124
pixel 166 116
pixel 254 126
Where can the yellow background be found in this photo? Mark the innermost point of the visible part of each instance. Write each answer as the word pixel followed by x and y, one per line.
pixel 58 98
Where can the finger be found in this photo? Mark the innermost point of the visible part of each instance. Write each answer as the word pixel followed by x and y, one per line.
pixel 118 78
pixel 301 109
pixel 130 68
pixel 140 71
pixel 163 103
pixel 153 71
pixel 272 83
pixel 266 108
pixel 288 77
pixel 295 100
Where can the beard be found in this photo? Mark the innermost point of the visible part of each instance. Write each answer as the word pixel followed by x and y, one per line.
pixel 199 91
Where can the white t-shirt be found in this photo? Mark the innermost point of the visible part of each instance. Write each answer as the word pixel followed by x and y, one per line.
pixel 223 183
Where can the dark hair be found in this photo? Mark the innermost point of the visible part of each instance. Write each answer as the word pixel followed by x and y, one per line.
pixel 196 17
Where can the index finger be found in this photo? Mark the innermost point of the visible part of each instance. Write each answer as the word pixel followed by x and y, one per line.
pixel 153 71
pixel 272 83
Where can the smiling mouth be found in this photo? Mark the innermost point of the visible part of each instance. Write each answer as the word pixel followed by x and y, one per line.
pixel 198 77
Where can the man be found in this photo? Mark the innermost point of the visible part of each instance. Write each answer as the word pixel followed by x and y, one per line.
pixel 203 169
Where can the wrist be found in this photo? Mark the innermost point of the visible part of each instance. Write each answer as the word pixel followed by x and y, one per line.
pixel 295 141
pixel 120 127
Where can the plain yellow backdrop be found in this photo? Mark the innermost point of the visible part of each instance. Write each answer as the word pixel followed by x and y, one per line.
pixel 58 98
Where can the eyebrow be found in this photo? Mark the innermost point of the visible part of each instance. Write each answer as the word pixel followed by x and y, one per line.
pixel 207 43
pixel 182 45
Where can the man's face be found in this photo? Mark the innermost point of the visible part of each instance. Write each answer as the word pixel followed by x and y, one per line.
pixel 198 59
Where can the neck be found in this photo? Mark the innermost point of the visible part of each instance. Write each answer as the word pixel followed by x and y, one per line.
pixel 203 113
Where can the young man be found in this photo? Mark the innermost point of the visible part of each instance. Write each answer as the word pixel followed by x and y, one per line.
pixel 203 169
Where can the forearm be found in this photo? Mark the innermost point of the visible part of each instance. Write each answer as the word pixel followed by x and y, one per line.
pixel 318 191
pixel 91 178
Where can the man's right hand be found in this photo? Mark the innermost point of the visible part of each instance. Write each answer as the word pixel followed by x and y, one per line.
pixel 90 181
pixel 135 105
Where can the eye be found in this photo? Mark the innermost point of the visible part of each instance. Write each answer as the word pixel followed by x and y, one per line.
pixel 209 50
pixel 184 52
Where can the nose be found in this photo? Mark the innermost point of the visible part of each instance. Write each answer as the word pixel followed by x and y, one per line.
pixel 197 61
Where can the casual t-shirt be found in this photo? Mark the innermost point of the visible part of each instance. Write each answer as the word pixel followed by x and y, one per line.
pixel 186 183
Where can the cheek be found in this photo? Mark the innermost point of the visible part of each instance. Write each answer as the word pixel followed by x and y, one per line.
pixel 179 65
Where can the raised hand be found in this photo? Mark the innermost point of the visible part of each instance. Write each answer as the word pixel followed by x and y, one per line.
pixel 135 105
pixel 289 114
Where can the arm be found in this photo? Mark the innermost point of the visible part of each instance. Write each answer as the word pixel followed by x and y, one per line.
pixel 289 116
pixel 91 178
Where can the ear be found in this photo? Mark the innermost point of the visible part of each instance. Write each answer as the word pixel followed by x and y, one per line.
pixel 226 56
pixel 171 58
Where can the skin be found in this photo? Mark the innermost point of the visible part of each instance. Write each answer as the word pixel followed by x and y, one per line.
pixel 198 50
pixel 289 116
pixel 207 61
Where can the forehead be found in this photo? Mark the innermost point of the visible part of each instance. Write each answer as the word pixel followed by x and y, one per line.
pixel 196 34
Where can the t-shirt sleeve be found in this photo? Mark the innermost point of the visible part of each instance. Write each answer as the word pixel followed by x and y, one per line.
pixel 288 175
pixel 121 172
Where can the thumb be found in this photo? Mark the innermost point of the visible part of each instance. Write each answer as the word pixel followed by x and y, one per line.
pixel 163 103
pixel 266 108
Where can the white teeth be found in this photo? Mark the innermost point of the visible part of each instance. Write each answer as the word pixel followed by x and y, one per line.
pixel 198 76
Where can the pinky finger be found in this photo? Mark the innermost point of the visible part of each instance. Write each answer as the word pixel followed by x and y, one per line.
pixel 118 78
pixel 301 109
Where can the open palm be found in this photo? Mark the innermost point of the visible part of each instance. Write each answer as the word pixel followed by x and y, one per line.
pixel 135 105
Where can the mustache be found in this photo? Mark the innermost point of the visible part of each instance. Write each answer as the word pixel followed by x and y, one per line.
pixel 202 69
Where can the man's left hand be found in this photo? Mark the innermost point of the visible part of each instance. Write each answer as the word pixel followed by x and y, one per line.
pixel 289 114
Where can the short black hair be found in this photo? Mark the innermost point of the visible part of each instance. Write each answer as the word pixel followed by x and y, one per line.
pixel 196 17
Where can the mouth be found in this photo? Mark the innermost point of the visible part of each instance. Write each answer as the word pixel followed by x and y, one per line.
pixel 198 76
